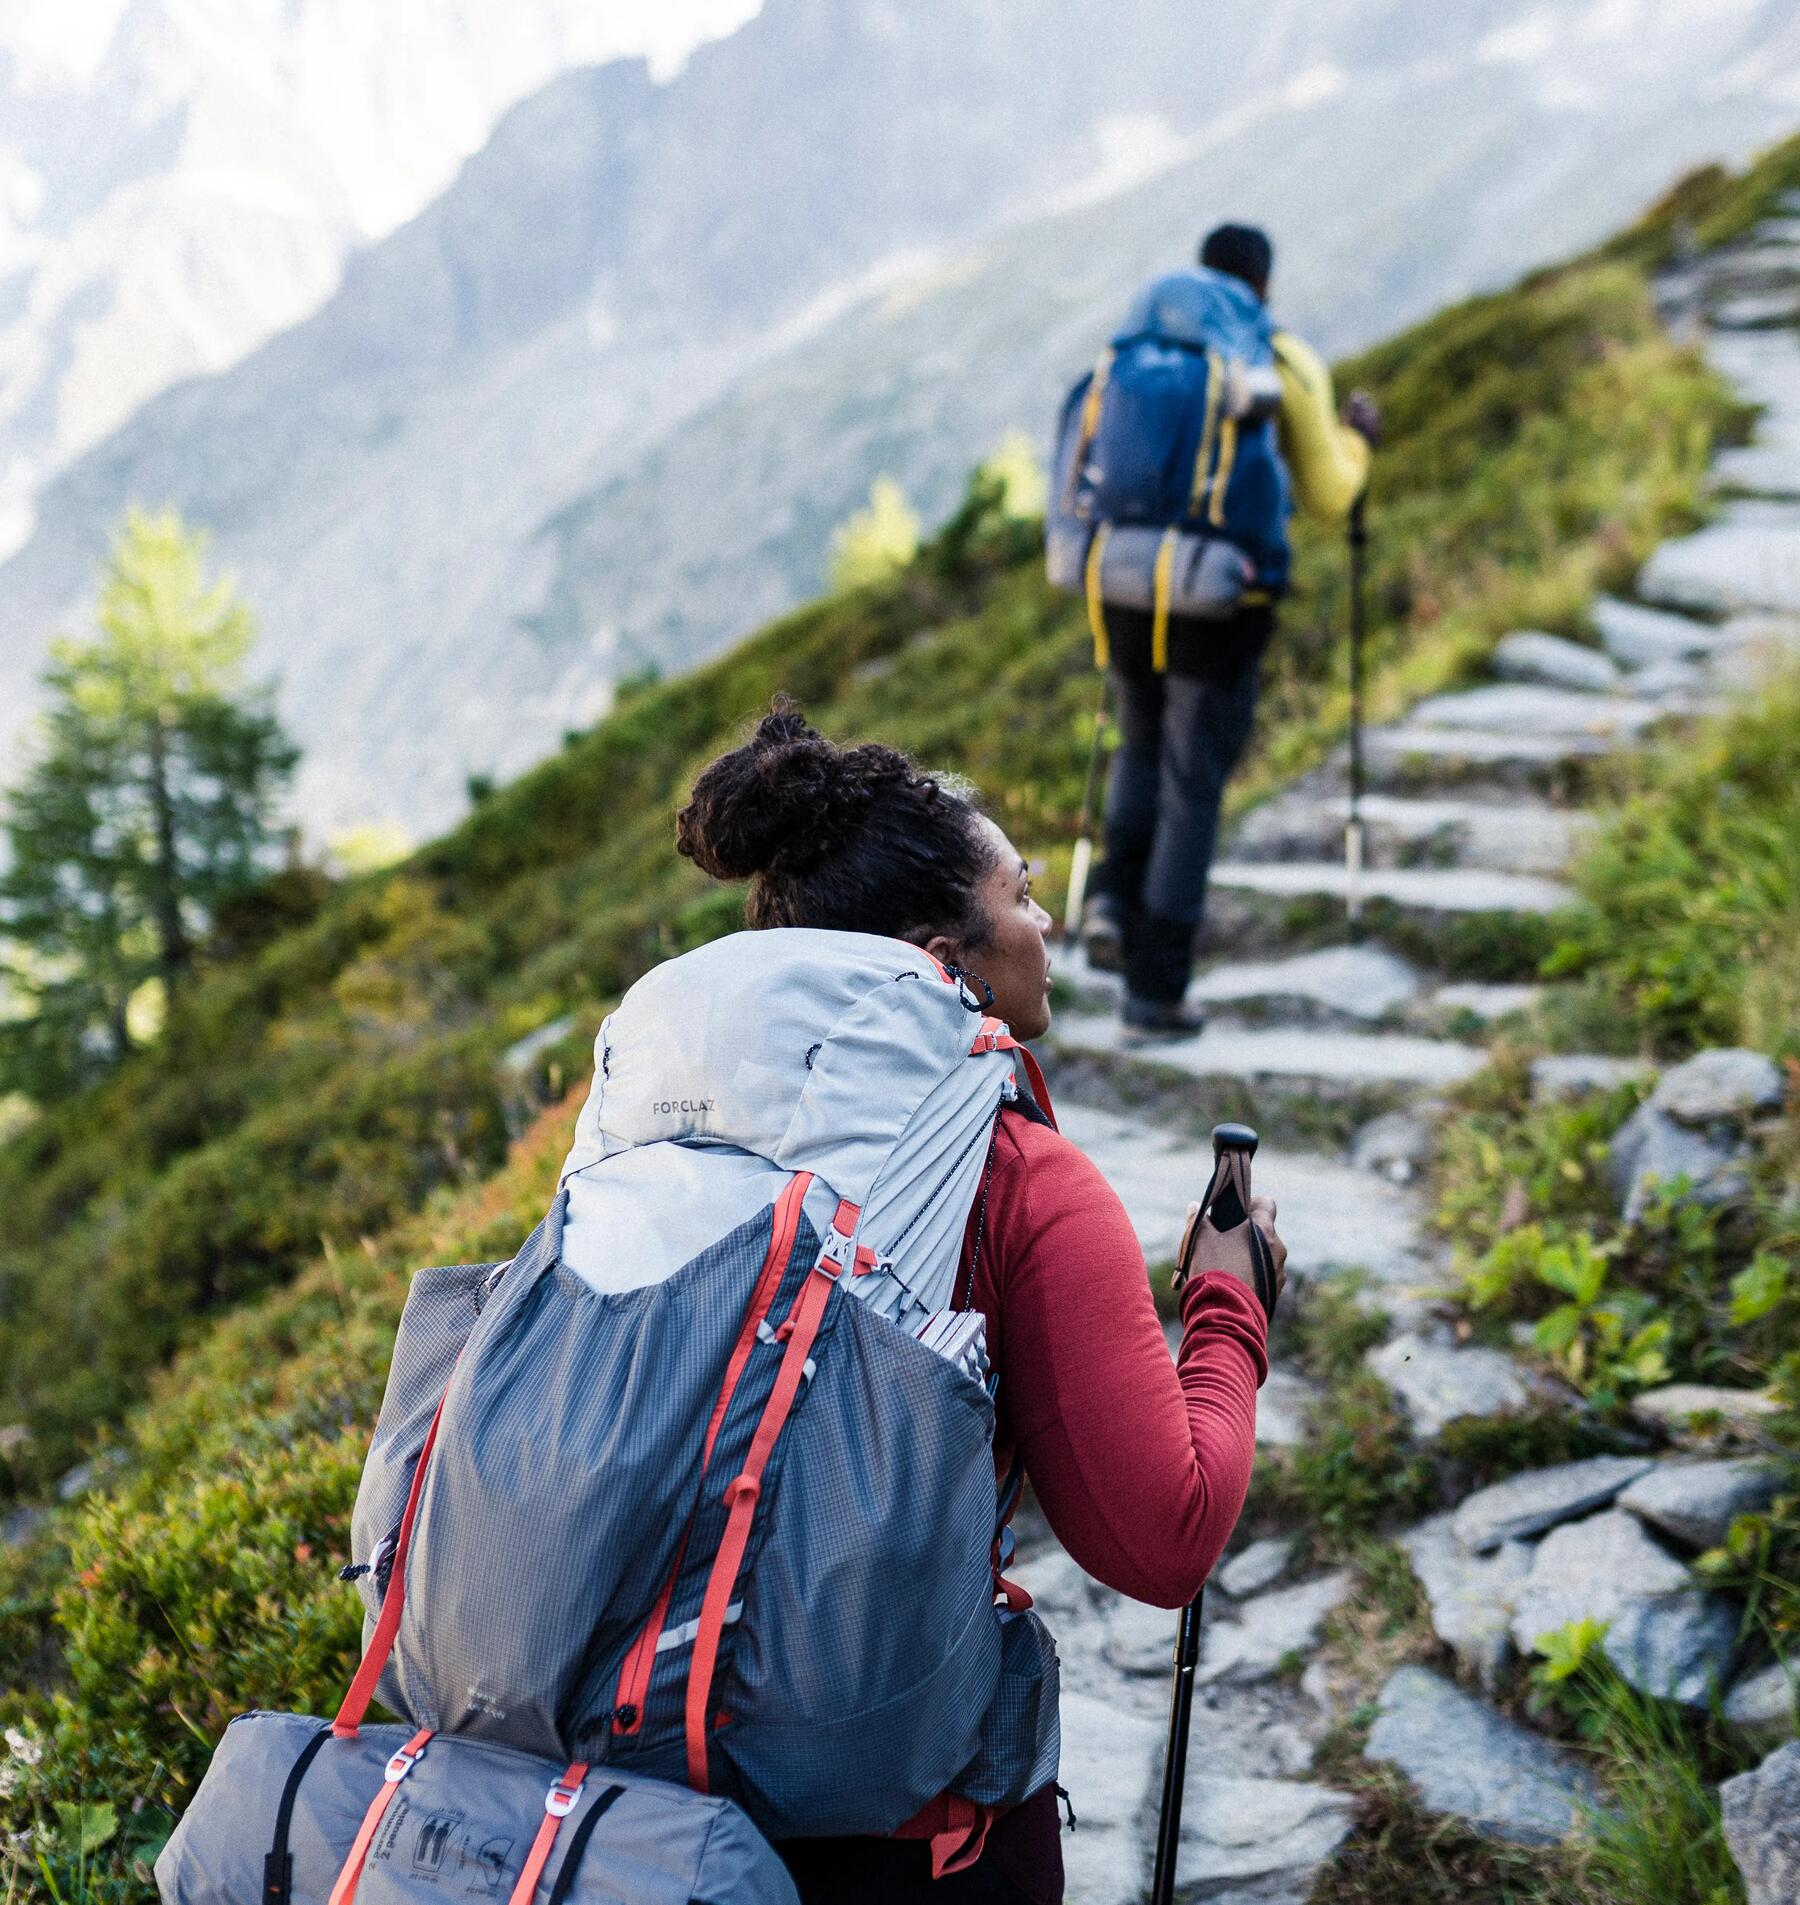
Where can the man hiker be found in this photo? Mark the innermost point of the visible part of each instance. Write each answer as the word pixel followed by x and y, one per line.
pixel 1179 461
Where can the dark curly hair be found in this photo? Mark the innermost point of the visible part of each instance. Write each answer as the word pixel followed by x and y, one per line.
pixel 855 839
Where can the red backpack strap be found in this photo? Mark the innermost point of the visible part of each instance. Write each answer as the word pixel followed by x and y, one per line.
pixel 837 1257
pixel 387 1624
pixel 559 1802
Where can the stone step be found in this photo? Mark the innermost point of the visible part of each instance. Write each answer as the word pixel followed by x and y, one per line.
pixel 1335 984
pixel 1641 637
pixel 1332 1216
pixel 1763 468
pixel 1447 1005
pixel 1506 832
pixel 1748 559
pixel 1757 311
pixel 1764 370
pixel 1269 1063
pixel 1415 889
pixel 1412 757
pixel 1553 661
pixel 1506 707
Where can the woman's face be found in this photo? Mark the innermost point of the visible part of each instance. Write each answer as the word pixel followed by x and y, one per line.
pixel 1015 961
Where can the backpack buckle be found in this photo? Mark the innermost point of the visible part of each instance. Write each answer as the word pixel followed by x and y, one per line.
pixel 560 1800
pixel 401 1764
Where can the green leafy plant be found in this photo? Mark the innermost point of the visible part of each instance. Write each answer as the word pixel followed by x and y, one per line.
pixel 1603 1341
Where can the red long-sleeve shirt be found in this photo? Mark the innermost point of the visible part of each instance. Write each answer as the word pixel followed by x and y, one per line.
pixel 1141 1465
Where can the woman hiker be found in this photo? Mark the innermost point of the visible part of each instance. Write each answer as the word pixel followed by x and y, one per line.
pixel 1139 1463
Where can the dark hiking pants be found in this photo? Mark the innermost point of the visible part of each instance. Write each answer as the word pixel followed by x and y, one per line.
pixel 1180 735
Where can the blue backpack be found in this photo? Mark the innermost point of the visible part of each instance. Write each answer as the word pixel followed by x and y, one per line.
pixel 1170 492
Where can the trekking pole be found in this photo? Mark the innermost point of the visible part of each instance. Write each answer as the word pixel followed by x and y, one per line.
pixel 1353 827
pixel 1227 1200
pixel 1082 861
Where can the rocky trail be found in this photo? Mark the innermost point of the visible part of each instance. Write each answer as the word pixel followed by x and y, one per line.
pixel 1339 1054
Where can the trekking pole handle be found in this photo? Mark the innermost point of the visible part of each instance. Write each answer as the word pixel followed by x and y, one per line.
pixel 1226 1204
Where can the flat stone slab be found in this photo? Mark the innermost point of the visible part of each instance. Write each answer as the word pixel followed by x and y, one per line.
pixel 1681 1408
pixel 1749 559
pixel 1505 706
pixel 1762 1827
pixel 1285 1053
pixel 1241 1837
pixel 1426 889
pixel 1268 1629
pixel 1639 636
pixel 1332 1216
pixel 1256 1567
pixel 1696 1502
pixel 1553 661
pixel 1662 1634
pixel 1510 832
pixel 1470 1595
pixel 1467 1760
pixel 1762 469
pixel 1393 750
pixel 1111 1760
pixel 1484 1001
pixel 1525 1505
pixel 1355 982
pixel 1438 1382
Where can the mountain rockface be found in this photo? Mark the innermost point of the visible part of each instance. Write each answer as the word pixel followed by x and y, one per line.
pixel 598 406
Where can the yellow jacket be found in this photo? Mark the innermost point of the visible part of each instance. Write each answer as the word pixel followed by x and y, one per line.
pixel 1328 461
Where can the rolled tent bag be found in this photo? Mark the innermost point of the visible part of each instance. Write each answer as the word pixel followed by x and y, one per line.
pixel 1204 576
pixel 289 1814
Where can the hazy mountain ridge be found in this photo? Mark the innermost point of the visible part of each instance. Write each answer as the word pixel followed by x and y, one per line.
pixel 602 401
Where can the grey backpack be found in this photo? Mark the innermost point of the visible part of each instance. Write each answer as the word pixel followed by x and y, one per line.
pixel 700 1487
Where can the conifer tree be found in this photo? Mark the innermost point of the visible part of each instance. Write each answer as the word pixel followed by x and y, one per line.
pixel 151 801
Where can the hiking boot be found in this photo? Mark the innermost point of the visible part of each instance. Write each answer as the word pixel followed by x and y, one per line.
pixel 1145 1020
pixel 1103 935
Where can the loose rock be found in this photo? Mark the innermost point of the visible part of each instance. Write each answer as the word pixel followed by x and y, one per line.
pixel 1729 1083
pixel 1468 1760
pixel 1650 1153
pixel 1762 1827
pixel 1696 1502
pixel 1437 1382
pixel 1766 1703
pixel 1269 1629
pixel 1259 1566
pixel 1525 1505
pixel 1395 1145
pixel 1663 1635
pixel 1470 1595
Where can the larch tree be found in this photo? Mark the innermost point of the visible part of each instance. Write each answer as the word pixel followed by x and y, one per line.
pixel 151 801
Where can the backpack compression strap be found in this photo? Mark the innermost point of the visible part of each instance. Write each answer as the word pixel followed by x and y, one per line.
pixel 344 1891
pixel 559 1802
pixel 838 1255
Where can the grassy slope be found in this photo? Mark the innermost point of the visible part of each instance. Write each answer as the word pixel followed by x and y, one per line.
pixel 1543 439
pixel 314 1090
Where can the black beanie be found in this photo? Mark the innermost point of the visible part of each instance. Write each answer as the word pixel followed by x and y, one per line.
pixel 1241 251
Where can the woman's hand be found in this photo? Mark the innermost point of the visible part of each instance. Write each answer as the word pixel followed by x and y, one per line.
pixel 1228 1251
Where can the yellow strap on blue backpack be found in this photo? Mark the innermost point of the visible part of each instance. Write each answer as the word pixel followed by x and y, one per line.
pixel 1096 605
pixel 1159 600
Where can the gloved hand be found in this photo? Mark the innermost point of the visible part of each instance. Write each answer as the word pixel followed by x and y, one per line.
pixel 1363 415
pixel 1228 1251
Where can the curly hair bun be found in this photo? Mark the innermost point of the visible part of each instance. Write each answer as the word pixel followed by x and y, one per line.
pixel 781 804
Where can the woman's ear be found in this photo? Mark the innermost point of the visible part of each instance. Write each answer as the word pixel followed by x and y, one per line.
pixel 944 950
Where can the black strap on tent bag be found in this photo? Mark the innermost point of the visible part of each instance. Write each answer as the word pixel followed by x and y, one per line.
pixel 278 1866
